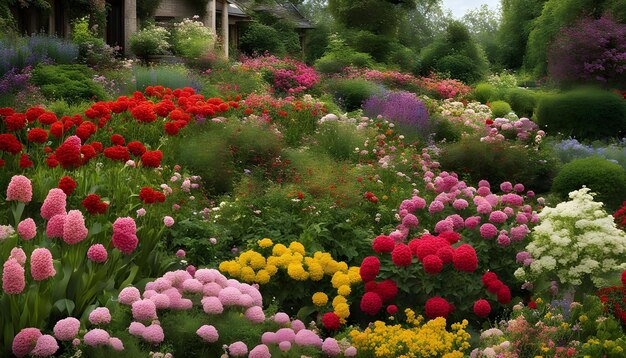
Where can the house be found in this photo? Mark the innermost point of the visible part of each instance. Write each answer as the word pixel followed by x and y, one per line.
pixel 224 17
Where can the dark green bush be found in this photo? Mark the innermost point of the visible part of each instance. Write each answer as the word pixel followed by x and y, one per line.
pixel 522 101
pixel 376 46
pixel 259 38
pixel 583 113
pixel 484 92
pixel 350 94
pixel 339 56
pixel 72 83
pixel 338 140
pixel 500 109
pixel 603 177
pixel 459 67
pixel 405 58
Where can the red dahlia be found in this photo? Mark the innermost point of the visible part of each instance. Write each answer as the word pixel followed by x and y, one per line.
pixel 392 309
pixel 437 307
pixel 68 153
pixel 371 303
pixel 482 308
pixel 136 148
pixel 504 295
pixel 152 159
pixel 432 264
pixel 47 118
pixel 401 255
pixel 67 184
pixel 33 113
pixel 10 144
pixel 331 321
pixel 88 152
pixel 56 129
pixel 37 135
pixel 369 268
pixel 117 139
pixel 171 128
pixel 144 113
pixel 383 244
pixel 387 290
pixel 25 161
pixel 465 258
pixel 117 152
pixel 85 130
pixel 93 204
pixel 15 122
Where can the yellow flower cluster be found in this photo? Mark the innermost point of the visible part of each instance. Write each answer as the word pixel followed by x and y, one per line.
pixel 430 339
pixel 252 266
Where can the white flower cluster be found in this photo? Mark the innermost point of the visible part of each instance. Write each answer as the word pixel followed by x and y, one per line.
pixel 576 242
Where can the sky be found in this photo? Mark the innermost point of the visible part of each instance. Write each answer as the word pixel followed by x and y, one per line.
pixel 459 7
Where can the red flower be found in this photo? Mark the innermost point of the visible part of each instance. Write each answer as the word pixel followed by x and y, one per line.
pixel 25 161
pixel 392 309
pixel 465 259
pixel 382 244
pixel 401 255
pixel 624 278
pixel 136 148
pixel 10 144
pixel 152 159
pixel 178 115
pixel 85 130
pixel 446 254
pixel 248 111
pixel 532 305
pixel 68 153
pixel 37 135
pixel 164 108
pixel 93 204
pixel 150 196
pixel 171 128
pixel 67 184
pixel 432 264
pixel 15 122
pixel 6 111
pixel 117 139
pixel 504 295
pixel 371 303
pixel 47 118
pixel 57 129
pixel 488 122
pixel 144 113
pixel 33 113
pixel 437 307
pixel 117 152
pixel 97 146
pixel 331 321
pixel 488 278
pixel 52 161
pixel 482 308
pixel 88 152
pixel 387 290
pixel 369 268
pixel 451 236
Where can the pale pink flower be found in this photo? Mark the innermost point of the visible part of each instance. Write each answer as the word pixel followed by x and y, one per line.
pixel 41 264
pixel 27 229
pixel 20 189
pixel 66 329
pixel 54 204
pixel 74 229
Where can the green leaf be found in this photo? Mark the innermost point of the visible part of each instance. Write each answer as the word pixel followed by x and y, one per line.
pixel 65 305
pixel 131 276
pixel 95 229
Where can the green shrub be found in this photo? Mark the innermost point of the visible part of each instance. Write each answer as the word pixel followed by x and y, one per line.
pixel 151 41
pixel 522 101
pixel 92 49
pixel 500 109
pixel 460 67
pixel 405 58
pixel 169 76
pixel 72 83
pixel 484 92
pixel 338 139
pixel 443 129
pixel 351 93
pixel 339 56
pixel 376 46
pixel 583 113
pixel 191 39
pixel 603 177
pixel 259 38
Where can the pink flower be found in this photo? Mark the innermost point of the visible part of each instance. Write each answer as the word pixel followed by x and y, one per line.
pixel 285 334
pixel 55 226
pixel 444 225
pixel 435 207
pixel 488 231
pixel 116 344
pixel 284 346
pixel 229 296
pixel 46 346
pixel 13 280
pixel 41 264
pixel 168 221
pixel 27 229
pixel 460 204
pixel 25 341
pixel 97 253
pixel 19 255
pixel 180 253
pixel 74 229
pixel 100 315
pixel 410 221
pixel 260 351
pixel 331 347
pixel 268 338
pixel 281 318
pixel 208 333
pixel 75 342
pixel 19 189
pixel 307 337
pixel 350 352
pixel 141 212
pixel 518 233
pixel 212 305
pixel 193 286
pixel 144 310
pixel 136 328
pixel 54 204
pixel 238 349
pixel 97 337
pixel 506 186
pixel 129 295
pixel 519 187
pixel 504 240
pixel 161 301
pixel 66 329
pixel 497 217
pixel 153 334
pixel 125 235
pixel 255 314
pixel 472 222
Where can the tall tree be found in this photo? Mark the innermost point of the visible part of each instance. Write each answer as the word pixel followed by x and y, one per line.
pixel 516 25
pixel 483 23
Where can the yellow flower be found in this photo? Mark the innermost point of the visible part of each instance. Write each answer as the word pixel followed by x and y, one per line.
pixel 338 300
pixel 339 279
pixel 320 299
pixel 583 318
pixel 265 242
pixel 354 274
pixel 257 261
pixel 271 269
pixel 297 247
pixel 342 310
pixel 279 249
pixel 548 315
pixel 262 277
pixel 316 271
pixel 247 274
pixel 344 290
pixel 539 300
pixel 296 272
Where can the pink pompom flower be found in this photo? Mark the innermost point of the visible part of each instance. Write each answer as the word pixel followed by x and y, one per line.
pixel 238 349
pixel 27 229
pixel 13 277
pixel 97 253
pixel 153 334
pixel 168 221
pixel 125 235
pixel 208 333
pixel 97 337
pixel 55 226
pixel 74 229
pixel 54 204
pixel 19 255
pixel 41 264
pixel 66 329
pixel 129 295
pixel 20 189
pixel 144 310
pixel 100 315
pixel 25 341
pixel 46 346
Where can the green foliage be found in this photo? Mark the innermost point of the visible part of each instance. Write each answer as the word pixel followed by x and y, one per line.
pixel 169 76
pixel 339 56
pixel 233 82
pixel 603 177
pixel 92 49
pixel 484 92
pixel 500 109
pixel 191 39
pixel 151 41
pixel 444 129
pixel 377 46
pixel 583 113
pixel 72 83
pixel 146 8
pixel 351 93
pixel 459 67
pixel 259 38
pixel 517 23
pixel 522 101
pixel 405 58
pixel 316 42
pixel 357 14
pixel 338 140
pixel 483 24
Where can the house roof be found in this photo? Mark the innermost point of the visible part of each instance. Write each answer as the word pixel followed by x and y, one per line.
pixel 287 11
pixel 235 10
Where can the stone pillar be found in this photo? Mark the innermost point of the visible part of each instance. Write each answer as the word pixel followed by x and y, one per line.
pixel 130 22
pixel 225 27
pixel 209 18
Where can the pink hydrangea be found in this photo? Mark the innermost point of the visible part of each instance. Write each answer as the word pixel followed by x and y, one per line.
pixel 153 334
pixel 307 337
pixel 116 344
pixel 180 253
pixel 66 329
pixel 212 305
pixel 488 231
pixel 444 225
pixel 497 217
pixel 100 315
pixel 13 277
pixel 435 207
pixel 255 314
pixel 297 325
pixel 205 275
pixel 472 222
pixel 97 253
pixel 285 334
pixel 46 346
pixel 281 318
pixel 211 289
pixel 410 221
pixel 25 341
pixel 208 333
pixel 350 352
pixel 141 212
pixel 229 296
pixel 54 204
pixel 191 269
pixel 238 349
pixel 144 310
pixel 27 229
pixel 168 221
pixel 125 235
pixel 460 204
pixel 512 199
pixel 41 264
pixel 260 351
pixel 506 186
pixel 74 229
pixel 97 337
pixel 129 295
pixel 55 226
pixel 268 338
pixel 19 189
pixel 19 255
pixel 519 187
pixel 136 328
pixel 504 240
pixel 193 286
pixel 161 301
pixel 284 346
pixel 331 347
pixel 518 233
pixel 484 208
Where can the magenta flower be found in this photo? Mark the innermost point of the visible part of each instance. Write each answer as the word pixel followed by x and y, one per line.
pixel 238 349
pixel 180 253
pixel 488 231
pixel 74 229
pixel 212 305
pixel 54 204
pixel 55 226
pixel 97 253
pixel 125 235
pixel 66 329
pixel 144 310
pixel 435 207
pixel 46 346
pixel 497 217
pixel 27 229
pixel 20 189
pixel 100 315
pixel 41 264
pixel 13 277
pixel 208 333
pixel 25 341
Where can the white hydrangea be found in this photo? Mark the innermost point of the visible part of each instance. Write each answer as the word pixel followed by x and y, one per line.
pixel 577 242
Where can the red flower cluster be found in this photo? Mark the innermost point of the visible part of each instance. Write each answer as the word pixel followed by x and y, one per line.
pixel 386 290
pixel 465 258
pixel 620 216
pixel 136 148
pixel 371 303
pixel 150 196
pixel 33 113
pixel 94 205
pixel 67 184
pixel 152 159
pixel 401 255
pixel 10 144
pixel 37 135
pixel 432 264
pixel 494 285
pixel 15 122
pixel 144 113
pixel 117 139
pixel 117 152
pixel 331 321
pixel 369 268
pixel 68 153
pixel 482 308
pixel 25 161
pixel 382 244
pixel 437 307
pixel 370 197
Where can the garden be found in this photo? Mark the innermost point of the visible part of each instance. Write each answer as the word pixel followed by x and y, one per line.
pixel 416 187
